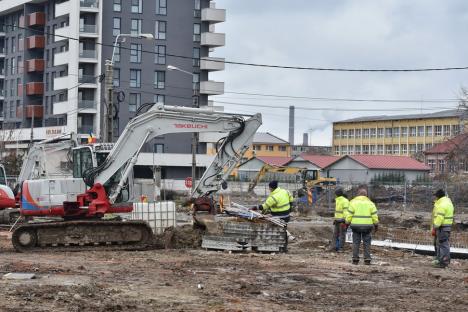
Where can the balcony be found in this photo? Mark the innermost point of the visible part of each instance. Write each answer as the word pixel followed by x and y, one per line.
pixel 61 58
pixel 2 73
pixel 87 79
pixel 35 42
pixel 86 129
pixel 35 65
pixel 87 104
pixel 29 111
pixel 89 5
pixel 213 39
pixel 213 15
pixel 35 88
pixel 62 33
pixel 88 56
pixel 212 87
pixel 2 94
pixel 61 83
pixel 36 19
pixel 212 63
pixel 2 52
pixel 62 8
pixel 88 30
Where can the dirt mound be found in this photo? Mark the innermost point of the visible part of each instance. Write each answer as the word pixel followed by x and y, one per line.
pixel 181 237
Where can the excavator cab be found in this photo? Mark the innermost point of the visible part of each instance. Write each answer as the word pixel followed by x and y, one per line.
pixel 3 179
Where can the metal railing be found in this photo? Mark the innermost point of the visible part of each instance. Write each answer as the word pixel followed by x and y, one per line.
pixel 89 3
pixel 88 53
pixel 87 104
pixel 2 92
pixel 87 28
pixel 87 79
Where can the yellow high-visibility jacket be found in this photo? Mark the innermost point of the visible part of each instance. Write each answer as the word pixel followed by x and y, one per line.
pixel 443 213
pixel 362 213
pixel 341 205
pixel 278 201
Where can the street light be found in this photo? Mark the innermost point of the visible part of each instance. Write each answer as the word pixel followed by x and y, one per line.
pixel 108 124
pixel 194 136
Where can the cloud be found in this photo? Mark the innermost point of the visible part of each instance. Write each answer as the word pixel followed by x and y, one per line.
pixel 351 34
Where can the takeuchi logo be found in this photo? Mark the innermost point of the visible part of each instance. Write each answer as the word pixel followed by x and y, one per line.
pixel 190 126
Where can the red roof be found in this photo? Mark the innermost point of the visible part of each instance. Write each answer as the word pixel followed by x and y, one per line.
pixel 460 141
pixel 389 162
pixel 321 161
pixel 274 160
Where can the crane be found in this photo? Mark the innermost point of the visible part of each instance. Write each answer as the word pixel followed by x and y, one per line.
pixel 106 171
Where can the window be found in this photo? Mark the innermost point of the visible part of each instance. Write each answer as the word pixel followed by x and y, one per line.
pixel 428 146
pixel 117 53
pixel 365 149
pixel 160 54
pixel 365 133
pixel 351 149
pixel 455 129
pixel 282 148
pixel 134 102
pixel 196 82
pixel 161 7
pixel 337 150
pixel 270 148
pixel 116 79
pixel 18 83
pixel 373 132
pixel 412 131
pixel 20 42
pixel 357 149
pixel 351 133
pixel 412 148
pixel 380 149
pixel 396 132
pixel 373 149
pixel 137 6
pixel 429 131
pixel 197 9
pixel 196 32
pixel 135 78
pixel 159 79
pixel 420 131
pixel 404 149
pixel 438 131
pixel 358 133
pixel 388 132
pixel 380 132
pixel 441 165
pixel 159 98
pixel 135 53
pixel 196 57
pixel 257 147
pixel 419 147
pixel 135 27
pixel 337 134
pixel 13 66
pixel 344 133
pixel 447 130
pixel 117 5
pixel 344 150
pixel 404 131
pixel 388 149
pixel 158 148
pixel 160 30
pixel 431 164
pixel 13 44
pixel 116 26
pixel 396 149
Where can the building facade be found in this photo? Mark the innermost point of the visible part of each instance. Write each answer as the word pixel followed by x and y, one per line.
pixel 395 135
pixel 267 144
pixel 53 52
pixel 449 157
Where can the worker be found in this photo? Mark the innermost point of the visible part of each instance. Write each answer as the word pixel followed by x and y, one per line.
pixel 362 217
pixel 441 227
pixel 279 202
pixel 339 224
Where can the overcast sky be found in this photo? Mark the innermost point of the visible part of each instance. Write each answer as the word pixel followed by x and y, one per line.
pixel 346 33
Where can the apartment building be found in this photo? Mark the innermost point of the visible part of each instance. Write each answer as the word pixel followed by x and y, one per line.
pixel 267 144
pixel 395 135
pixel 52 55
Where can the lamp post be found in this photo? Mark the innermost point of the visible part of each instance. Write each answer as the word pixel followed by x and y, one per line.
pixel 108 120
pixel 194 135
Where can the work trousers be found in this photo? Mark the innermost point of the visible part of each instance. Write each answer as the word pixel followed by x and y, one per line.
pixel 443 246
pixel 366 237
pixel 339 235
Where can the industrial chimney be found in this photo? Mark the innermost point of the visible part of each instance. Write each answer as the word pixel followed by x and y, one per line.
pixel 291 125
pixel 305 139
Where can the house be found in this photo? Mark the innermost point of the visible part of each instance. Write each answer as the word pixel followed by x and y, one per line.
pixel 249 169
pixel 449 157
pixel 367 168
pixel 267 144
pixel 314 162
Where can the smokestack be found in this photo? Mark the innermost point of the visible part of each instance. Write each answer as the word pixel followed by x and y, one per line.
pixel 291 125
pixel 305 139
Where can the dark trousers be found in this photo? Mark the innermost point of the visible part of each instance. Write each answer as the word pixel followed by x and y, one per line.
pixel 364 236
pixel 339 235
pixel 443 246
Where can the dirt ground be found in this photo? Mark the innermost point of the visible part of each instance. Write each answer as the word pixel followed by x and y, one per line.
pixel 307 278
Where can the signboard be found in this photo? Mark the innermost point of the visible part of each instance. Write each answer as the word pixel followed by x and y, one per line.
pixel 188 182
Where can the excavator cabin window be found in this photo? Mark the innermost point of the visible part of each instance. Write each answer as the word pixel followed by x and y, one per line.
pixel 82 161
pixel 3 179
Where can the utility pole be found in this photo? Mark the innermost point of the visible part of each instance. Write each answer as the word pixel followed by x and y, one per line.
pixel 108 123
pixel 194 146
pixel 31 139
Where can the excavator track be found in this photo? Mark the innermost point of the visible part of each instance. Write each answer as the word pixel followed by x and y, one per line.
pixel 82 235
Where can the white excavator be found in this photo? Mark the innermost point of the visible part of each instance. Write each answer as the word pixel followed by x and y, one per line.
pixel 102 182
pixel 7 199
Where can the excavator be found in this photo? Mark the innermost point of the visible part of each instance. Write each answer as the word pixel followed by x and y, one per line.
pixel 7 199
pixel 102 182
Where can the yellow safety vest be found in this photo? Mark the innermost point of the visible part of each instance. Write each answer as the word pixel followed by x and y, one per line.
pixel 278 201
pixel 443 212
pixel 362 212
pixel 341 204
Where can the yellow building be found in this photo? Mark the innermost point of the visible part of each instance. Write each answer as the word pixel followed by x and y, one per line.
pixel 267 144
pixel 394 135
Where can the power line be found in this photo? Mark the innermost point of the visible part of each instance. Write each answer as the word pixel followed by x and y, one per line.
pixel 428 69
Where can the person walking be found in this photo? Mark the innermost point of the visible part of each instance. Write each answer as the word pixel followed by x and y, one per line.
pixel 441 227
pixel 362 217
pixel 339 224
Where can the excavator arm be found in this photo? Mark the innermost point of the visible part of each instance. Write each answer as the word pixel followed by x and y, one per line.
pixel 160 120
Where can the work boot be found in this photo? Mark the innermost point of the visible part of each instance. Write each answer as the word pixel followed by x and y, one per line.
pixel 355 262
pixel 439 265
pixel 367 262
pixel 435 262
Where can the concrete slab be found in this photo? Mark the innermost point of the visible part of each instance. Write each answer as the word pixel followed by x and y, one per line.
pixel 19 276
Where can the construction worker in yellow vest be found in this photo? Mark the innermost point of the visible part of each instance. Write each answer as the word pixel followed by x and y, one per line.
pixel 339 224
pixel 362 217
pixel 441 227
pixel 278 203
